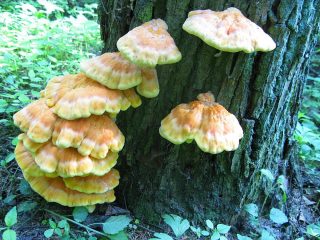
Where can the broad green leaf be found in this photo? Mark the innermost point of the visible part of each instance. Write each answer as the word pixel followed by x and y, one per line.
pixel 3 103
pixel 177 224
pixel 277 216
pixel 116 224
pixel 265 235
pixel 215 236
pixel 161 236
pixel 223 238
pixel 241 237
pixel 63 223
pixel 118 236
pixel 209 224
pixel 9 234
pixel 205 233
pixel 23 98
pixel 11 217
pixel 31 74
pixel 80 214
pixel 58 232
pixel 313 230
pixel 48 233
pixel 223 228
pixel 9 157
pixel 52 224
pixel 15 141
pixel 268 174
pixel 252 209
pixel 300 238
pixel 25 188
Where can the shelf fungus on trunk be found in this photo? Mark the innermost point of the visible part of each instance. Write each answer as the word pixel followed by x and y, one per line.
pixel 77 96
pixel 113 71
pixel 68 162
pixel 149 44
pixel 27 163
pixel 55 190
pixel 37 120
pixel 212 127
pixel 149 87
pixel 94 184
pixel 228 31
pixel 93 136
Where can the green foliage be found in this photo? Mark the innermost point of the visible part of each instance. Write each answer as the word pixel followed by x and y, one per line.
pixel 277 216
pixel 161 236
pixel 116 224
pixel 177 224
pixel 60 229
pixel 37 43
pixel 10 219
pixel 313 230
pixel 80 214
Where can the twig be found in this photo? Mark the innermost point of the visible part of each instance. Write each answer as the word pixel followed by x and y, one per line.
pixel 74 222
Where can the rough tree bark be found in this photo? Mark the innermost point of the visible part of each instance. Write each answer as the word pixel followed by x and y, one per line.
pixel 262 89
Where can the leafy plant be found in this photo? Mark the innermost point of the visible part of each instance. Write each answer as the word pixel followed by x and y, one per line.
pixel 61 229
pixel 277 216
pixel 10 219
pixel 80 214
pixel 177 224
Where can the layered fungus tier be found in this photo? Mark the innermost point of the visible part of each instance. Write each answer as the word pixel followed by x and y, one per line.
pixel 70 141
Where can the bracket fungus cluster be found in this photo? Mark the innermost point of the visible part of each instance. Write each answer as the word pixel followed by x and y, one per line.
pixel 70 141
pixel 212 127
pixel 228 31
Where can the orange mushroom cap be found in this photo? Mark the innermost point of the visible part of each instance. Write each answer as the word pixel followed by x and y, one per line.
pixel 68 162
pixel 93 136
pixel 26 162
pixel 94 184
pixel 112 70
pixel 149 44
pixel 37 120
pixel 149 87
pixel 77 96
pixel 228 31
pixel 55 190
pixel 212 127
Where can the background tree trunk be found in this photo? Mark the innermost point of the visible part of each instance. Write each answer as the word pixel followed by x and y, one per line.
pixel 262 89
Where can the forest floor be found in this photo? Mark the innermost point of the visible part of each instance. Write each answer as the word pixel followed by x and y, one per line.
pixel 32 53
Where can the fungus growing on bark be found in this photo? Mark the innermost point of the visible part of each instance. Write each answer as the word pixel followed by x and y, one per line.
pixel 36 120
pixel 113 71
pixel 149 44
pixel 93 136
pixel 228 31
pixel 94 184
pixel 68 162
pixel 26 162
pixel 208 123
pixel 77 96
pixel 55 190
pixel 149 87
pixel 133 97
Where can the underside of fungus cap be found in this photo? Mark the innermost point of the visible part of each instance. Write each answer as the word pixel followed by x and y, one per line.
pixel 26 162
pixel 182 123
pixel 132 97
pixel 212 127
pixel 228 31
pixel 93 136
pixel 94 184
pixel 77 96
pixel 68 162
pixel 220 131
pixel 54 190
pixel 149 44
pixel 112 70
pixel 36 120
pixel 149 87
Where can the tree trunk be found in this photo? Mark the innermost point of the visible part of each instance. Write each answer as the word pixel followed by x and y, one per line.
pixel 262 89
